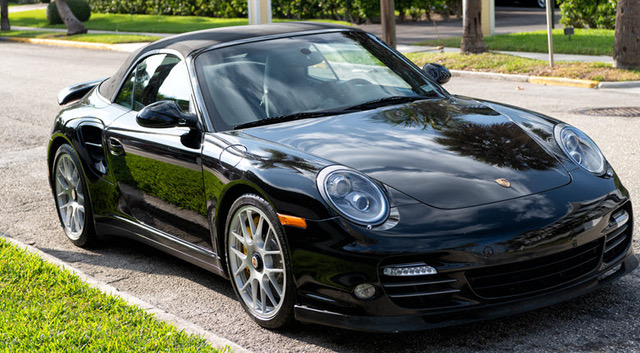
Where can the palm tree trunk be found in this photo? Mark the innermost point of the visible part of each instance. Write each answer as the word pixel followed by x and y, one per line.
pixel 4 15
pixel 472 40
pixel 73 25
pixel 626 47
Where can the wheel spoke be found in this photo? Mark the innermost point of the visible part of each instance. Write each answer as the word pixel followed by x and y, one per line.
pixel 76 218
pixel 239 254
pixel 254 295
pixel 275 284
pixel 244 287
pixel 240 270
pixel 68 214
pixel 257 232
pixel 263 297
pixel 239 237
pixel 252 225
pixel 62 181
pixel 245 231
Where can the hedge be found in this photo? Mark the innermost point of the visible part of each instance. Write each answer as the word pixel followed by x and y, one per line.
pixel 589 13
pixel 350 10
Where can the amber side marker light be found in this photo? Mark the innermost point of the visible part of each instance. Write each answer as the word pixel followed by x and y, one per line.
pixel 292 221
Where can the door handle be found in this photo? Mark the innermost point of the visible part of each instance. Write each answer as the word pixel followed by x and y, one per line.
pixel 115 146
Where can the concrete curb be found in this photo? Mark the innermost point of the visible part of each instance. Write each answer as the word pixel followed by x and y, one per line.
pixel 540 80
pixel 622 84
pixel 63 43
pixel 179 323
pixel 490 76
pixel 560 81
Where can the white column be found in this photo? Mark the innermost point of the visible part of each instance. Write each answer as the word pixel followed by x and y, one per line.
pixel 259 12
pixel 488 16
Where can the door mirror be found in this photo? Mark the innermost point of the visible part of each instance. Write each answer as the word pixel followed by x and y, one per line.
pixel 165 114
pixel 437 72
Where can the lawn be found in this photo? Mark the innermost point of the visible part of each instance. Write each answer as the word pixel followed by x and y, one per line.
pixel 508 64
pixel 585 41
pixel 46 309
pixel 93 37
pixel 138 23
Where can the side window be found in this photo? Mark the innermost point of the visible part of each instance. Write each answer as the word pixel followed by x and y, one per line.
pixel 158 77
pixel 125 97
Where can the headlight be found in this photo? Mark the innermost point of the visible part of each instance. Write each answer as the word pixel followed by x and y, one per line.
pixel 353 195
pixel 580 148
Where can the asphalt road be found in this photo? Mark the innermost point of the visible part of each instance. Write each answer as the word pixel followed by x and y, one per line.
pixel 32 75
pixel 507 20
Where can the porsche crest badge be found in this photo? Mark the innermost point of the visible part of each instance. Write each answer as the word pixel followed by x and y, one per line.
pixel 503 182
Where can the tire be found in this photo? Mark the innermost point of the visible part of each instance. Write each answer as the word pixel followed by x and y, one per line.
pixel 542 3
pixel 258 264
pixel 71 196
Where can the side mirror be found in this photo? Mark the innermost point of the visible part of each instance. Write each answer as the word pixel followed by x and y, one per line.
pixel 165 114
pixel 437 72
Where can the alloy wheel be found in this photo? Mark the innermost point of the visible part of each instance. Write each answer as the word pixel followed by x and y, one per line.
pixel 69 196
pixel 256 261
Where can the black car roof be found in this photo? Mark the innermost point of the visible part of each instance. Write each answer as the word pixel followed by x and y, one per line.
pixel 188 43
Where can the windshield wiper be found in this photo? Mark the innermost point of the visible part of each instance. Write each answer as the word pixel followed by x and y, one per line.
pixel 380 102
pixel 283 118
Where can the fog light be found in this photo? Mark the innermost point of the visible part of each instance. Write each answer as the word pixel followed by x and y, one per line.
pixel 409 270
pixel 364 291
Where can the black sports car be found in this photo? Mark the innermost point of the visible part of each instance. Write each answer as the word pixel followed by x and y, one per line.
pixel 334 182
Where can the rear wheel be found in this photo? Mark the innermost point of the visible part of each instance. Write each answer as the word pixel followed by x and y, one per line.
pixel 258 262
pixel 74 210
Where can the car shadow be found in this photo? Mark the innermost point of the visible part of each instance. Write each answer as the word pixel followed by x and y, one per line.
pixel 127 254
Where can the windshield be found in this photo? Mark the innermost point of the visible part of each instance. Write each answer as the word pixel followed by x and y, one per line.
pixel 303 76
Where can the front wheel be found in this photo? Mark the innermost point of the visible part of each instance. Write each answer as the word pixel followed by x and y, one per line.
pixel 258 262
pixel 71 198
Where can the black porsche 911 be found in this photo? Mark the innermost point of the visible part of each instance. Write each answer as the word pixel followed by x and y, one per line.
pixel 335 182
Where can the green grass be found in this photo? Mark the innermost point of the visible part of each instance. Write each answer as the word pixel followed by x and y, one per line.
pixel 93 37
pixel 508 64
pixel 46 309
pixel 138 23
pixel 585 41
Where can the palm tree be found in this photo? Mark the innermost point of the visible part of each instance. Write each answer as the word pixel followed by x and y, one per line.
pixel 472 40
pixel 74 26
pixel 626 47
pixel 4 15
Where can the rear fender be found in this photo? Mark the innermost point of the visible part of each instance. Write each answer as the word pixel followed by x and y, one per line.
pixel 75 92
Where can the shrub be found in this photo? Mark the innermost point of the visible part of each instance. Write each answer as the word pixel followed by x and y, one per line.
pixel 359 10
pixel 79 8
pixel 589 13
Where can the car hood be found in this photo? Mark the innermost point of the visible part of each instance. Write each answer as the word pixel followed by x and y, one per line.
pixel 447 153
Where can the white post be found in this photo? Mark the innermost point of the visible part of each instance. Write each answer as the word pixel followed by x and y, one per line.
pixel 259 12
pixel 549 30
pixel 488 17
pixel 487 14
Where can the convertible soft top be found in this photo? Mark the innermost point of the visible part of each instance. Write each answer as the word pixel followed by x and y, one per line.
pixel 187 43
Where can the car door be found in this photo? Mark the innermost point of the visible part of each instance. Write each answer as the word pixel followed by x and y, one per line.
pixel 159 170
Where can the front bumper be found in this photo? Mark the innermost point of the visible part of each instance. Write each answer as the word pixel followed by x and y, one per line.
pixel 492 260
pixel 423 321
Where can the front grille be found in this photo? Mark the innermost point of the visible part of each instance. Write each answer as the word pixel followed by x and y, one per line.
pixel 426 291
pixel 532 276
pixel 619 236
